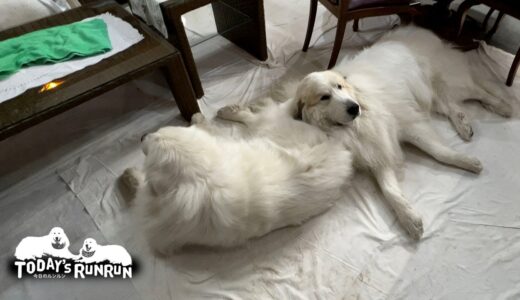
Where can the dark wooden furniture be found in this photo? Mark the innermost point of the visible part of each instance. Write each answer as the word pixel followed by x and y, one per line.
pixel 37 104
pixel 240 21
pixel 346 10
pixel 509 7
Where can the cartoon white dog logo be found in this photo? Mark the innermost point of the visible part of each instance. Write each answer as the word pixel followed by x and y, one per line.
pixel 55 244
pixel 93 252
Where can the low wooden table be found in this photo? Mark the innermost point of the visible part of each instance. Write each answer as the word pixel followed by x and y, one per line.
pixel 240 21
pixel 38 104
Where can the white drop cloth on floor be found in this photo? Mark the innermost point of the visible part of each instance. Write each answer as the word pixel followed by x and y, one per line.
pixel 66 176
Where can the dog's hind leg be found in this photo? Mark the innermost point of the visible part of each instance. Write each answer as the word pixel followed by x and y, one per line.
pixel 408 218
pixel 447 103
pixel 424 137
pixel 452 110
pixel 493 103
pixel 461 123
pixel 493 95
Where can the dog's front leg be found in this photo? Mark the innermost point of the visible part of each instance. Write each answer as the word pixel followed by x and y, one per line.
pixel 408 218
pixel 236 113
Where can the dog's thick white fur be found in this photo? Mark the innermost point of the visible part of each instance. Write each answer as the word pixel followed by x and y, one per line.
pixel 397 83
pixel 204 185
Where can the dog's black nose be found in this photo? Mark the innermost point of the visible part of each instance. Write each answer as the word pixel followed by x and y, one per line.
pixel 143 137
pixel 353 110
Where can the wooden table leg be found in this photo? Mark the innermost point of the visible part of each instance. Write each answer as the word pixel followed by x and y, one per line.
pixel 180 85
pixel 178 37
pixel 243 23
pixel 514 68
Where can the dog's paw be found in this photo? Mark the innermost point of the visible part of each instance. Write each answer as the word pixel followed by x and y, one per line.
pixel 130 180
pixel 504 109
pixel 463 127
pixel 228 112
pixel 412 223
pixel 260 104
pixel 473 165
pixel 197 118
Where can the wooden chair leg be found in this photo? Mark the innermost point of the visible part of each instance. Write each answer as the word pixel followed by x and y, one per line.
pixel 338 40
pixel 310 25
pixel 514 68
pixel 249 35
pixel 406 18
pixel 492 31
pixel 462 12
pixel 356 25
pixel 486 19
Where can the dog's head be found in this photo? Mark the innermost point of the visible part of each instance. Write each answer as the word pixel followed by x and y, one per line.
pixel 174 154
pixel 58 238
pixel 326 99
pixel 89 247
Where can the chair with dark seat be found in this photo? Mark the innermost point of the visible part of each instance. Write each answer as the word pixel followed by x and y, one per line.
pixel 509 7
pixel 346 10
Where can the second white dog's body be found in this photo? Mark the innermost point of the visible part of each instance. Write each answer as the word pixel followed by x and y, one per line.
pixel 92 252
pixel 384 96
pixel 204 187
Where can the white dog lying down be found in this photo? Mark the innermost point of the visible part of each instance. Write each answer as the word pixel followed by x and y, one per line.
pixel 92 252
pixel 201 187
pixel 384 96
pixel 56 244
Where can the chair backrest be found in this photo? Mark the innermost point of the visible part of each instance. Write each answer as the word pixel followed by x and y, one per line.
pixel 509 7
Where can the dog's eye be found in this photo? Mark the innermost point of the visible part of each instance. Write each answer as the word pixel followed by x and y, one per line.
pixel 339 87
pixel 325 97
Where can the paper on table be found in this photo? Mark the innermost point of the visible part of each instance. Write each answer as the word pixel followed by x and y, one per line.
pixel 122 36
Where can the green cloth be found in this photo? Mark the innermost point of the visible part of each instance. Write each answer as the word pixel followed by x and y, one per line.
pixel 52 45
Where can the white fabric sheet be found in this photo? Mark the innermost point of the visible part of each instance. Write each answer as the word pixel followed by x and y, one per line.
pixel 122 35
pixel 470 249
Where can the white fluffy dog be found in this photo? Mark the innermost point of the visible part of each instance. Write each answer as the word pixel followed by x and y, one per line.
pixel 92 252
pixel 202 186
pixel 55 244
pixel 385 95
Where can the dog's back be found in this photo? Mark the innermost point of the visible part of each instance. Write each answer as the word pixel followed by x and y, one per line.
pixel 217 191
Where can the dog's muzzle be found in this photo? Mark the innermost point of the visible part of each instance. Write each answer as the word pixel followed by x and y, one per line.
pixel 57 245
pixel 86 253
pixel 353 110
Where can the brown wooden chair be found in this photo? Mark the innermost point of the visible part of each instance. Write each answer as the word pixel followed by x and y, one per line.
pixel 509 7
pixel 346 10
